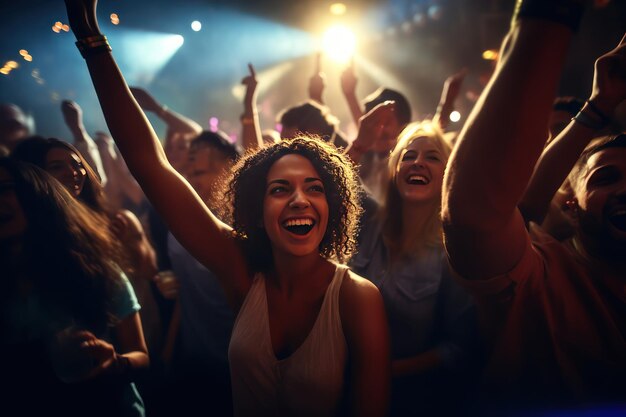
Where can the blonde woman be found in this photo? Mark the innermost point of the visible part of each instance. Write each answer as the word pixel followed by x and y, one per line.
pixel 401 251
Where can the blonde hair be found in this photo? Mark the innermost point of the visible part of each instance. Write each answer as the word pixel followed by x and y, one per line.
pixel 391 207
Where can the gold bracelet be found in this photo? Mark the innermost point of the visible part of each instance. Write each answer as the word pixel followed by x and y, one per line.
pixel 93 45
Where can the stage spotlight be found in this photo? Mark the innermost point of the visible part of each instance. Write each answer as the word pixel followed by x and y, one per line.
pixel 455 116
pixel 177 41
pixel 196 26
pixel 339 43
pixel 338 9
pixel 141 54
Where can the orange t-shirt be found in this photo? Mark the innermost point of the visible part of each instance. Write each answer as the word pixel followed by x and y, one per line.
pixel 557 327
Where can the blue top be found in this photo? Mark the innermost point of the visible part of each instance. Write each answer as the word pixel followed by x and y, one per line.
pixel 33 322
pixel 426 309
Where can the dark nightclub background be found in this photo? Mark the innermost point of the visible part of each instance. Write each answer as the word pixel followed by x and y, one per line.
pixel 411 45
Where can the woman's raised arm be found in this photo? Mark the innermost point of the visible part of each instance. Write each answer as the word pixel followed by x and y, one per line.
pixel 203 235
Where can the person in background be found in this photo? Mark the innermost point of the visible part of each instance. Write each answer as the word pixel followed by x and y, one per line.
pixel 71 330
pixel 435 343
pixel 65 163
pixel 73 116
pixel 14 126
pixel 199 376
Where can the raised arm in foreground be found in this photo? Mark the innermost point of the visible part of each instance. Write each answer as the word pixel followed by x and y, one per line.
pixel 557 160
pixel 193 224
pixel 501 142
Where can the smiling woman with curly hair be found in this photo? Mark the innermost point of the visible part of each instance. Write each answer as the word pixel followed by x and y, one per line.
pixel 305 325
pixel 243 202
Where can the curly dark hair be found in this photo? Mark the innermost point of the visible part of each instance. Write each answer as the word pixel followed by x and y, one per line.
pixel 245 190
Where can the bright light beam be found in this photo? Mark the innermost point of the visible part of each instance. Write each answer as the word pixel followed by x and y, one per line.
pixel 143 54
pixel 339 44
pixel 378 74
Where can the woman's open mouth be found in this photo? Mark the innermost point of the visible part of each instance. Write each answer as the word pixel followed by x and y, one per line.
pixel 299 226
pixel 417 180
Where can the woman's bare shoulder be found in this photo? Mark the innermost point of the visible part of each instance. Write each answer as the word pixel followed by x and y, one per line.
pixel 356 291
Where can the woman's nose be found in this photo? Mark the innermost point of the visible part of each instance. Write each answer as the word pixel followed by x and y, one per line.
pixel 299 200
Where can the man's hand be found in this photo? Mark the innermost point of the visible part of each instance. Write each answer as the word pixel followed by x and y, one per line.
pixel 372 125
pixel 609 80
pixel 317 83
pixel 72 114
pixel 251 83
pixel 349 80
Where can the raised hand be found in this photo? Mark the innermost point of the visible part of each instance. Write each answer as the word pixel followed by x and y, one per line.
pixel 317 82
pixel 251 83
pixel 372 126
pixel 106 144
pixel 449 94
pixel 349 80
pixel 609 80
pixel 82 17
pixel 72 114
pixel 145 100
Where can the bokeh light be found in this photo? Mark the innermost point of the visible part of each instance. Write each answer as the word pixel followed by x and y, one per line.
pixel 490 55
pixel 338 9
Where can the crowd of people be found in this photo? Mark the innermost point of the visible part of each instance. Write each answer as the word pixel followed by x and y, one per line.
pixel 407 271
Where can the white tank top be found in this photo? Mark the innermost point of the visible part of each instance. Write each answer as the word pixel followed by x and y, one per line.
pixel 307 383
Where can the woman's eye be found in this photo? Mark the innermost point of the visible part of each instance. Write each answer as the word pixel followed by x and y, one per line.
pixel 317 188
pixel 276 190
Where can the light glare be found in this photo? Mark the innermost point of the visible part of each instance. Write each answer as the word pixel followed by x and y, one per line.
pixel 455 116
pixel 196 26
pixel 339 43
